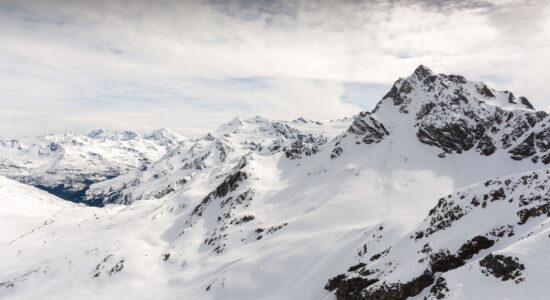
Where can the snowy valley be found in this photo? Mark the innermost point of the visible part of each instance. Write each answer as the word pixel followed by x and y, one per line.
pixel 440 192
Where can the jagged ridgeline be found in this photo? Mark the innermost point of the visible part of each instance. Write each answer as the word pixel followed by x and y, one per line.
pixel 456 115
pixel 441 191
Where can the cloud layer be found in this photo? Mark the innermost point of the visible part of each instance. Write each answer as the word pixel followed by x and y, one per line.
pixel 79 65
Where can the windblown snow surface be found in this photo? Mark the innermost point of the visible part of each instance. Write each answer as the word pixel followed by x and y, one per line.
pixel 441 192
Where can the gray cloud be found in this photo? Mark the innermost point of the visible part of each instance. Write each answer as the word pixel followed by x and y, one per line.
pixel 189 64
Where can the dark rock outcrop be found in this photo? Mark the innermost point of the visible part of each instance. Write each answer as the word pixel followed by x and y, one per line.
pixel 503 267
pixel 364 129
pixel 228 185
pixel 453 116
pixel 396 291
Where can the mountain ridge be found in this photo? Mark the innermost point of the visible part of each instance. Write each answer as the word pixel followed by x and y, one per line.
pixel 409 205
pixel 457 115
pixel 66 164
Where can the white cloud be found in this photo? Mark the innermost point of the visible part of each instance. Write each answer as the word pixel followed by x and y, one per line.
pixel 188 65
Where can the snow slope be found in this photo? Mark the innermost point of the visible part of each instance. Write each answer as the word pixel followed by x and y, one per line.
pixel 24 208
pixel 264 209
pixel 486 241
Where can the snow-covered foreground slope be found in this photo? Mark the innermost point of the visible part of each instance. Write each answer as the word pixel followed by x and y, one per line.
pixel 264 209
pixel 487 241
pixel 255 228
pixel 253 231
pixel 24 208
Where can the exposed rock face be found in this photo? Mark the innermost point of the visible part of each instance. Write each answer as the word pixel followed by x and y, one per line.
pixel 439 290
pixel 457 115
pixel 304 145
pixel 462 122
pixel 528 135
pixel 231 194
pixel 473 246
pixel 364 129
pixel 443 261
pixel 398 93
pixel 353 287
pixel 370 130
pixel 503 267
pixel 230 184
pixel 452 137
pixel 526 102
pixel 513 202
pixel 356 288
pixel 399 291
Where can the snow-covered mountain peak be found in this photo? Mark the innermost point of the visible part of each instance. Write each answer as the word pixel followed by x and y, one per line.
pixel 424 87
pixel 300 120
pixel 102 134
pixel 422 72
pixel 230 126
pixel 455 115
pixel 250 125
pixel 161 132
pixel 164 136
pixel 260 130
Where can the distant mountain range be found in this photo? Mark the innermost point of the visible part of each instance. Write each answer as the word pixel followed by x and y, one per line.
pixel 441 192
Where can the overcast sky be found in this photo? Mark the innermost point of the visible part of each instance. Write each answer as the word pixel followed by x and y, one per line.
pixel 185 65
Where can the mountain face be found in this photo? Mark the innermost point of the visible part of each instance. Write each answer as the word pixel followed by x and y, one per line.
pixel 441 192
pixel 455 115
pixel 66 165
